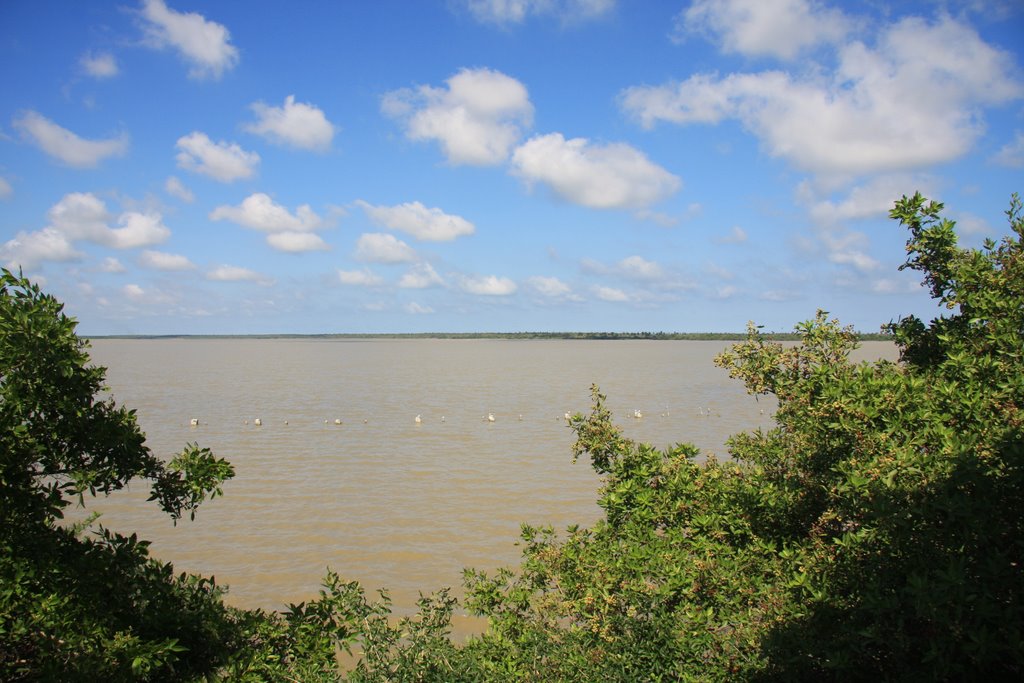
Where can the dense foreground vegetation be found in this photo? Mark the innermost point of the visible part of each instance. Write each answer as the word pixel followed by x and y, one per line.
pixel 874 533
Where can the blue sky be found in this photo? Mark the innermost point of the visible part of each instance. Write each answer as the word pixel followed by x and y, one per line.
pixel 178 166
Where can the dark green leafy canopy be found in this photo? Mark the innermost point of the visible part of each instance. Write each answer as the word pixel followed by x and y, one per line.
pixel 58 441
pixel 875 533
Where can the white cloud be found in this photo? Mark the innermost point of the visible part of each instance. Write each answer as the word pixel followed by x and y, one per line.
pixel 99 64
pixel 64 145
pixel 503 12
pixel 848 247
pixel 755 28
pixel 6 191
pixel 258 211
pixel 874 198
pixel 737 235
pixel 610 176
pixel 295 124
pixel 549 286
pixel 28 249
pixel 111 265
pixel 476 119
pixel 417 309
pixel 875 110
pixel 134 292
pixel 417 220
pixel 488 285
pixel 895 286
pixel 296 242
pixel 205 45
pixel 227 273
pixel 610 294
pixel 176 188
pixel 221 161
pixel 82 216
pixel 362 278
pixel 1012 153
pixel 377 247
pixel 161 260
pixel 137 230
pixel 725 292
pixel 639 268
pixel 420 276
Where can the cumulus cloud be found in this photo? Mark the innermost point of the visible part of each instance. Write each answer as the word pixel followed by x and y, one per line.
pixel 83 216
pixel 1012 153
pixel 487 285
pixel 736 235
pixel 476 119
pixel 849 247
pixel 176 188
pixel 111 265
pixel 378 247
pixel 362 278
pixel 227 273
pixel 505 12
pixel 137 230
pixel 295 124
pixel 613 176
pixel 610 294
pixel 874 110
pixel 874 198
pixel 420 276
pixel 297 242
pixel 432 225
pixel 639 268
pixel 417 309
pixel 549 286
pixel 161 260
pixel 205 45
pixel 757 28
pixel 221 161
pixel 29 249
pixel 99 64
pixel 66 147
pixel 259 212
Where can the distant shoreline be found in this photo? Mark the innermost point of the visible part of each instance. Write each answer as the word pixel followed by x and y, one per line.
pixel 595 336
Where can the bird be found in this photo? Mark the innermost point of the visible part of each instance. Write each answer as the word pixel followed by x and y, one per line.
pixel 567 416
pixel 637 414
pixel 337 420
pixel 194 422
pixel 419 419
pixel 490 417
pixel 257 422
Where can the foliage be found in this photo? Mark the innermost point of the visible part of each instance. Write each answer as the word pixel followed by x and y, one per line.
pixel 74 607
pixel 874 533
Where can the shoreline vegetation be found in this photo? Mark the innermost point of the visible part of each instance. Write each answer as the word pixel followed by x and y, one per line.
pixel 594 336
pixel 876 532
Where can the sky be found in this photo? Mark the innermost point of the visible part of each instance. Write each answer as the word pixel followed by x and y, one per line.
pixel 270 167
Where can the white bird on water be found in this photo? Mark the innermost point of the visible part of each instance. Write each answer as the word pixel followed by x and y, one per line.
pixel 194 422
pixel 637 414
pixel 257 422
pixel 490 417
pixel 419 419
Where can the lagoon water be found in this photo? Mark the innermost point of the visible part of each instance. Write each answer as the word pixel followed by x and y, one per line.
pixel 381 498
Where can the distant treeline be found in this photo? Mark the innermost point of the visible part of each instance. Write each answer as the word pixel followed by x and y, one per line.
pixel 673 336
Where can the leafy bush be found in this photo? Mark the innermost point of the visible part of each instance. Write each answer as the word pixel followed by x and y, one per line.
pixel 873 533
